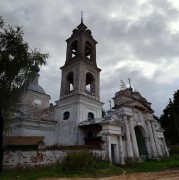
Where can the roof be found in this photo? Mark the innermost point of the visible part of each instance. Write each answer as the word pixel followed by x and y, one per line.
pixel 91 121
pixel 22 140
pixel 36 88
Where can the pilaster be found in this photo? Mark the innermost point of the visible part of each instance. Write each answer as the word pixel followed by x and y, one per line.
pixel 155 139
pixel 134 141
pixel 151 138
pixel 148 147
pixel 130 154
pixel 121 150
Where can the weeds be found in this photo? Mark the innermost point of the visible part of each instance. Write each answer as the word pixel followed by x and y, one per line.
pixel 83 164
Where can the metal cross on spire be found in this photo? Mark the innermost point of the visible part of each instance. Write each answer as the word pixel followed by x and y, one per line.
pixel 129 82
pixel 81 16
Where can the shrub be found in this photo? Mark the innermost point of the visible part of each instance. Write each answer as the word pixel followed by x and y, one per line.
pixel 81 160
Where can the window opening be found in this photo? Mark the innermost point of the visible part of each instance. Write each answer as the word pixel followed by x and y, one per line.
pixel 74 48
pixel 69 83
pixel 88 87
pixel 90 116
pixel 71 87
pixel 88 50
pixel 66 115
pixel 90 84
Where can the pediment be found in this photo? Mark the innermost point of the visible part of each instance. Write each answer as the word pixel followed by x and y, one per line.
pixel 137 105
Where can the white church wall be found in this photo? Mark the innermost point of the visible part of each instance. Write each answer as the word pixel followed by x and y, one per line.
pixel 28 127
pixel 18 158
pixel 48 135
pixel 35 158
pixel 67 131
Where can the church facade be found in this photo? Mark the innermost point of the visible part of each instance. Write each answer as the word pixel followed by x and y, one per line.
pixel 127 131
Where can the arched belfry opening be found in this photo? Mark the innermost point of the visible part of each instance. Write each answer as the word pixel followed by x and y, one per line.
pixel 74 48
pixel 69 82
pixel 90 84
pixel 88 50
pixel 139 131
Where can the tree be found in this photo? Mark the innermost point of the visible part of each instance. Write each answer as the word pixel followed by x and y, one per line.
pixel 170 120
pixel 16 59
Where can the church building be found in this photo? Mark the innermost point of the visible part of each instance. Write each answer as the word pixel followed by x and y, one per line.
pixel 127 132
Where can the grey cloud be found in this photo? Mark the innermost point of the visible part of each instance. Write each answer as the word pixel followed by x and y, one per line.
pixel 47 24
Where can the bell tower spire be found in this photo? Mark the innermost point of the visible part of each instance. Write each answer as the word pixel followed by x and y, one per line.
pixel 81 17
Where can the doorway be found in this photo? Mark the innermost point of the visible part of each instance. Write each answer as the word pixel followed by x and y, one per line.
pixel 113 153
pixel 141 142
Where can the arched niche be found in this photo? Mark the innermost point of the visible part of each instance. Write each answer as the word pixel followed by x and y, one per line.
pixel 141 140
pixel 88 50
pixel 90 84
pixel 69 82
pixel 74 48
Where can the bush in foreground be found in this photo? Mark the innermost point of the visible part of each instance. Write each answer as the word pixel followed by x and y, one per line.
pixel 82 160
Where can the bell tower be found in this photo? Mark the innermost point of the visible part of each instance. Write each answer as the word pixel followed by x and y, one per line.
pixel 80 86
pixel 80 74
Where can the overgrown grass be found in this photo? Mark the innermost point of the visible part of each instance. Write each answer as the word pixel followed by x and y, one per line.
pixel 83 160
pixel 151 166
pixel 94 168
pixel 84 164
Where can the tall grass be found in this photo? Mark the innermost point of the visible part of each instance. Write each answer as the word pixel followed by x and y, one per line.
pixel 83 164
pixel 82 160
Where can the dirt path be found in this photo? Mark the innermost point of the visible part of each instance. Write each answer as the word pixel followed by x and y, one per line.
pixel 164 175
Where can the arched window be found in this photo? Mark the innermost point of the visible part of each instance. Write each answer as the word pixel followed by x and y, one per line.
pixel 90 116
pixel 90 84
pixel 74 48
pixel 66 115
pixel 88 50
pixel 69 82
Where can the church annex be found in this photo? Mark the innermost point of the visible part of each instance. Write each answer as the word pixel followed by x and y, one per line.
pixel 127 131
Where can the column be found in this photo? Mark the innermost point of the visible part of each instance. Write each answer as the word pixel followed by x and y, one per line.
pixel 130 154
pixel 156 140
pixel 152 143
pixel 134 142
pixel 121 151
pixel 148 147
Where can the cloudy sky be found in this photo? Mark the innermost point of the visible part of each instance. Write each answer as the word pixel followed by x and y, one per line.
pixel 137 39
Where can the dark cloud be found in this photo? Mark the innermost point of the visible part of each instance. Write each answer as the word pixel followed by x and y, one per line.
pixel 129 32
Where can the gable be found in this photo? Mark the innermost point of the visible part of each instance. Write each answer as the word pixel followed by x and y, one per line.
pixel 138 105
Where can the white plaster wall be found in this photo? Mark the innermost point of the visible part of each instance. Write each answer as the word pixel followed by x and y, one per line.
pixel 79 107
pixel 27 127
pixel 18 158
pixel 13 159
